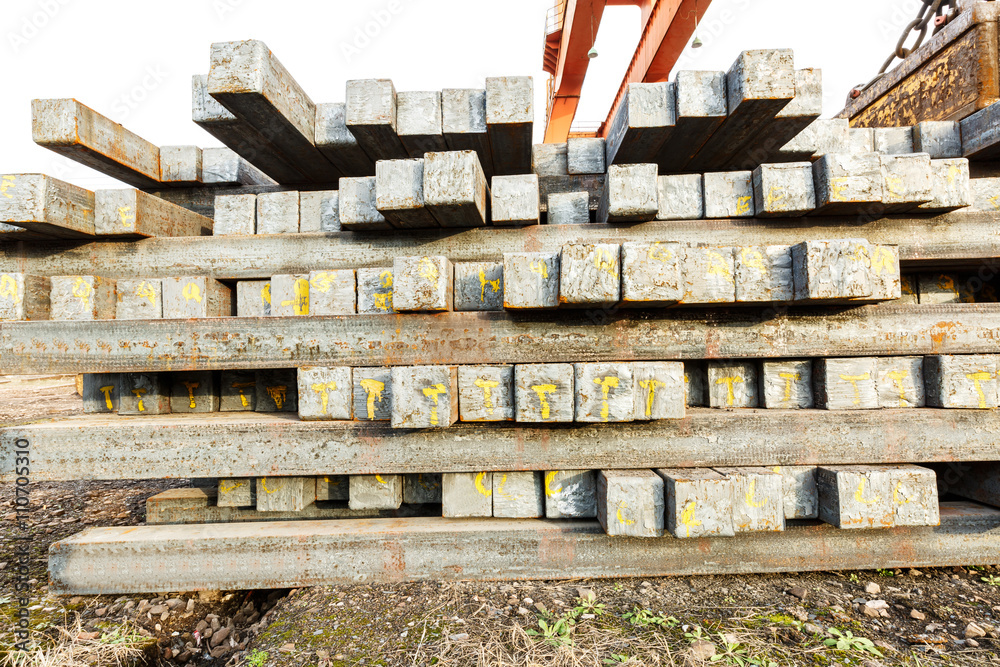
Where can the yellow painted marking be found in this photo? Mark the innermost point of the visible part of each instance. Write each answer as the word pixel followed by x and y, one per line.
pixel 953 173
pixel 650 387
pixel 263 484
pixel 321 282
pixel 743 204
pixel 324 392
pixel 107 395
pixel 897 378
pixel 895 495
pixel 479 485
pixel 432 393
pixel 82 290
pixel 427 268
pixel 8 288
pixel 540 268
pixel 621 518
pixel 500 492
pixel 995 202
pixel 777 469
pixel 8 182
pixel 240 386
pixel 191 386
pixel 146 291
pixel 542 390
pixel 774 195
pixel 383 301
pixel 894 184
pixel 606 383
pixel 789 378
pixel 192 292
pixel 754 258
pixel 487 386
pixel 373 388
pixel 265 294
pixel 385 278
pixel 483 282
pixel 976 379
pixel 138 394
pixel 127 217
pixel 549 478
pixel 300 300
pixel 223 488
pixel 729 382
pixel 859 494
pixel 837 187
pixel 687 517
pixel 603 261
pixel 659 253
pixel 751 492
pixel 854 379
pixel 717 265
pixel 883 262
pixel 859 254
pixel 278 394
pixel 378 478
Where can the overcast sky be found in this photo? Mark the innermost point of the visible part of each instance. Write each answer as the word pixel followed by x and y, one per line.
pixel 132 60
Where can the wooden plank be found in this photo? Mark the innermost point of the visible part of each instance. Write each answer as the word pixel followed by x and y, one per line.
pixel 136 214
pixel 46 207
pixel 294 554
pixel 962 238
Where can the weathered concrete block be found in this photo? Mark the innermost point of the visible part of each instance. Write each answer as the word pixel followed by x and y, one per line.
pixel 764 273
pixel 371 116
pixel 277 390
pixel 630 194
pixel 914 495
pixel 885 277
pixel 486 393
pixel 651 273
pixel 515 200
pixel 531 280
pixel 235 215
pixel 823 135
pixel 180 164
pixel 630 502
pixel 82 298
pixel 325 393
pixel 253 298
pixel 290 295
pixel 424 396
pixel 786 384
pixel 479 286
pixel 143 394
pixel 570 494
pixel 376 492
pixel 375 291
pixel 783 190
pixel 333 487
pixel 695 383
pixel 550 159
pixel 709 275
pixel 544 392
pixel 848 183
pixel 680 197
pixel 729 194
pixel 937 288
pixel 832 269
pixel 590 273
pixel 585 155
pixel 645 120
pixel 855 496
pixel 950 189
pixel 285 494
pixel 358 210
pixel 455 189
pixel 238 391
pixel 101 393
pixel 604 392
pixel 846 384
pixel 399 193
pixel 422 283
pixel 418 122
pixel 518 495
pixel 800 493
pixel 758 499
pixel 733 384
pixel 422 489
pixel 193 391
pixel 467 494
pixel 568 208
pixel 238 492
pixel 862 140
pixel 319 211
pixel 463 122
pixel 278 212
pixel 961 381
pixel 338 144
pixel 938 138
pixel 985 193
pixel 24 297
pixel 900 382
pixel 372 393
pixel 140 299
pixel 658 389
pixel 699 502
pixel 893 140
pixel 195 296
pixel 333 292
pixel 906 181
pixel 223 165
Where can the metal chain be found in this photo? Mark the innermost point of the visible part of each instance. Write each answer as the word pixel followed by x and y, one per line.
pixel 929 10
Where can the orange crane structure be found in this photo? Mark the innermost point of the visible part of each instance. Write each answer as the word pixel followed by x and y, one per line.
pixel 570 29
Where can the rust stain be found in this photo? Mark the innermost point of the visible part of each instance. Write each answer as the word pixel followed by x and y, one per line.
pixel 938 333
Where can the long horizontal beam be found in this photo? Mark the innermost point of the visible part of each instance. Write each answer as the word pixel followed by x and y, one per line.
pixel 948 240
pixel 291 554
pixel 259 445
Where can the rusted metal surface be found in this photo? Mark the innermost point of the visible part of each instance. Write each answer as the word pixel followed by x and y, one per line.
pixel 42 207
pixel 253 445
pixel 305 553
pixel 133 213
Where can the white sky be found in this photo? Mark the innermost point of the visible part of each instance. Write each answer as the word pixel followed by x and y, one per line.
pixel 132 60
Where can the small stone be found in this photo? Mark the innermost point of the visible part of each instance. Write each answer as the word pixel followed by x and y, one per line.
pixel 870 612
pixel 219 637
pixel 877 604
pixel 917 615
pixel 460 637
pixel 972 642
pixel 529 601
pixel 973 630
pixel 702 650
pixel 812 629
pixel 522 611
pixel 798 592
pixel 101 612
pixel 915 573
pixel 158 609
pixel 207 632
pixel 184 657
pixel 174 603
pixel 287 648
pixel 88 636
pixel 799 613
pixel 873 589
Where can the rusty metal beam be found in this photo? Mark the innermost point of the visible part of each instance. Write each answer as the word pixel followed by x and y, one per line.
pixel 256 445
pixel 290 554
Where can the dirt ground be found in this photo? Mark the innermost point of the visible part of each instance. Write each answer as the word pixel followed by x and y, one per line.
pixel 902 617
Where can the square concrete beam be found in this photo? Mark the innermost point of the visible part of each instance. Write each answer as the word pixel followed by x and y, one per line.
pixel 800 492
pixel 333 292
pixel 729 194
pixel 479 285
pixel 399 193
pixel 319 211
pixel 277 390
pixel 195 296
pixel 786 384
pixel 855 497
pixel 285 494
pixel 180 165
pixel 455 189
pixel 225 166
pixel 278 212
pixel 139 299
pixel 253 298
pixel 372 393
pixel 848 184
pixel 758 499
pixel 961 381
pixel 237 492
pixel 531 280
pixel 194 391
pixel 463 122
pixel 82 298
pixel 838 269
pixel 950 188
pixel 658 390
pixel 418 122
pixel 375 291
pixel 630 503
pixel 423 284
pixel 290 295
pixel 376 492
pixel 235 215
pixel 568 208
pixel 424 396
pixel 893 140
pixel 544 392
pixel 605 392
pixel 701 109
pixel 885 276
pixel 24 297
pixel 938 138
pixel 590 274
pixel 680 197
pixel 510 117
pixel 132 213
pixel 804 109
pixel 143 394
pixel 764 273
pixel 733 384
pixel 900 382
pixel 822 136
pixel 783 190
pixel 101 393
pixel 467 494
pixel 846 384
pixel 515 200
pixel 709 275
pixel 906 181
pixel 914 496
pixel 651 273
pixel 699 502
pixel 570 494
pixel 585 155
pixel 630 194
pixel 518 495
pixel 862 140
pixel 645 121
pixel 238 391
pixel 486 393
pixel 325 393
pixel 338 144
pixel 695 384
pixel 48 206
pixel 358 208
pixel 422 489
pixel 550 159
